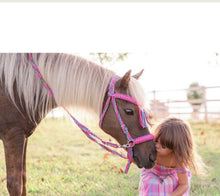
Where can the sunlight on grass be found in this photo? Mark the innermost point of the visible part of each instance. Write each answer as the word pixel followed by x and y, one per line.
pixel 61 160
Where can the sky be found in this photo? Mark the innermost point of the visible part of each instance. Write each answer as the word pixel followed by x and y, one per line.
pixel 172 71
pixel 175 43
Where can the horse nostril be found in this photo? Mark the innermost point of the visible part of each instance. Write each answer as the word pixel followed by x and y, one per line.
pixel 151 158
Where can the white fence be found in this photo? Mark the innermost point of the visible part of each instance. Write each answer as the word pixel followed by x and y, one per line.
pixel 175 102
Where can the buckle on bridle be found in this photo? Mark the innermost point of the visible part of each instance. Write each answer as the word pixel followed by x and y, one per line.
pixel 129 144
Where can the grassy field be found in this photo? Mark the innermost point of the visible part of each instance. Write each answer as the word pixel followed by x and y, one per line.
pixel 61 160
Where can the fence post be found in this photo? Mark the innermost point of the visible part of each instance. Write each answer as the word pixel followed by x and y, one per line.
pixel 205 103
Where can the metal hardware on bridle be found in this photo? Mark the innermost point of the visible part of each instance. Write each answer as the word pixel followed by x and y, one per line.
pixel 129 144
pixel 144 119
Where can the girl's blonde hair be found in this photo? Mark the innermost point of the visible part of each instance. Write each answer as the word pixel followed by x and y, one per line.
pixel 176 135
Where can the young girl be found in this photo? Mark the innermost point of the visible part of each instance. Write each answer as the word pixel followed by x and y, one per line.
pixel 175 156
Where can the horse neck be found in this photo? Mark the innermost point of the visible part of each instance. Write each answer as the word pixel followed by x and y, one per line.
pixel 75 81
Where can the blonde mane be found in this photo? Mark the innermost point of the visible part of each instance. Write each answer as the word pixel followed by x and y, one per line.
pixel 74 81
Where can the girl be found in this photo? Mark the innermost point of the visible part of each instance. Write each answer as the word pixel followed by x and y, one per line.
pixel 175 156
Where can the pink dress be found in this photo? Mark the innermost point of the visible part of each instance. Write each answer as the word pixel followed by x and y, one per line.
pixel 160 180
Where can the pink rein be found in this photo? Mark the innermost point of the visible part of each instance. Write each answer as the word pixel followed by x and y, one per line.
pixel 144 119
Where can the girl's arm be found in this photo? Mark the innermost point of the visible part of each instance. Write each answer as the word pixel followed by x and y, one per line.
pixel 183 185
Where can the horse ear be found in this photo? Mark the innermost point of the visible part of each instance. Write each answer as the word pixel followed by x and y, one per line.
pixel 137 76
pixel 125 80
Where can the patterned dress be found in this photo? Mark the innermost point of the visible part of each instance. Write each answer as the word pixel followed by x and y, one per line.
pixel 160 180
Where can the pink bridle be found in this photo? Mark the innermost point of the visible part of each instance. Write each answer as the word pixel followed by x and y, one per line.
pixel 143 117
pixel 111 96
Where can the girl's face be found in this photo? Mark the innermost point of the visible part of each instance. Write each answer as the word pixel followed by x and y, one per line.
pixel 162 150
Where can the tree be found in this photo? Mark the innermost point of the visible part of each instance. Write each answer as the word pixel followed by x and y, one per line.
pixel 105 57
pixel 194 93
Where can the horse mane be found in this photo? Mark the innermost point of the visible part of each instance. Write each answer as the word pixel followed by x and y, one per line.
pixel 74 81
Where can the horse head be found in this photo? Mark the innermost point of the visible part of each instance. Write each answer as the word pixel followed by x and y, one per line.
pixel 144 154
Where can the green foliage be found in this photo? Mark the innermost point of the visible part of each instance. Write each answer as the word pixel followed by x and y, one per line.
pixel 194 94
pixel 61 160
pixel 103 58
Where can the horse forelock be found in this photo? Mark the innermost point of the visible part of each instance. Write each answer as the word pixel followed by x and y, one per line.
pixel 137 91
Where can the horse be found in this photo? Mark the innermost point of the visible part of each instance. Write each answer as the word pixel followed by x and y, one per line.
pixel 75 82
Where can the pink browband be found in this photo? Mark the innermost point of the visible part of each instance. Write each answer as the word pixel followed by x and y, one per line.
pixel 111 97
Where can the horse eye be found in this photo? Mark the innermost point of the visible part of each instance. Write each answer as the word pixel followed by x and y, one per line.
pixel 129 111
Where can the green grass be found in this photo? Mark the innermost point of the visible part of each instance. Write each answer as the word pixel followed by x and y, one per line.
pixel 61 160
pixel 207 136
